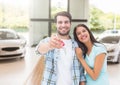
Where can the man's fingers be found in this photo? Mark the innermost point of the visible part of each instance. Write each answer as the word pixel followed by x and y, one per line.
pixel 56 42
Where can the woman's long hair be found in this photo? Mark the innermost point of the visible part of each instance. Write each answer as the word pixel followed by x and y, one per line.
pixel 36 76
pixel 80 44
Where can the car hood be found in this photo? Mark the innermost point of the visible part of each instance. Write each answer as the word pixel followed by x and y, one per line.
pixel 9 43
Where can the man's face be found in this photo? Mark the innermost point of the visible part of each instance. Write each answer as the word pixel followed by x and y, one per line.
pixel 63 25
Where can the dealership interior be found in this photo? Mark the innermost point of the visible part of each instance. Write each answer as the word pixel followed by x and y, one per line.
pixel 15 71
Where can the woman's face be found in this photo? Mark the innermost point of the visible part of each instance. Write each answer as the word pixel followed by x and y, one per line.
pixel 82 34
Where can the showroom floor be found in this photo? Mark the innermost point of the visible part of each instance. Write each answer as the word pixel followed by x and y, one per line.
pixel 15 71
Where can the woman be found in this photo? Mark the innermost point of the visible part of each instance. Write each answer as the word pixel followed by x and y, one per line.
pixel 95 62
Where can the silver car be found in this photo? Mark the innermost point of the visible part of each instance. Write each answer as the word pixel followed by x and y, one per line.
pixel 111 39
pixel 12 45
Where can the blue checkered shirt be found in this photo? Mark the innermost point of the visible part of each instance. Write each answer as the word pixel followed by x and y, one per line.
pixel 50 70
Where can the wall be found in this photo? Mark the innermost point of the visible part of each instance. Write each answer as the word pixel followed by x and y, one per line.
pixel 39 17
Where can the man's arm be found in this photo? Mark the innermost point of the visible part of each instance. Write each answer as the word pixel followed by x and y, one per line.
pixel 52 43
pixel 43 48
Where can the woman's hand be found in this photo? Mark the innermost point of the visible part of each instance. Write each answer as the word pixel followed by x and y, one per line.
pixel 79 52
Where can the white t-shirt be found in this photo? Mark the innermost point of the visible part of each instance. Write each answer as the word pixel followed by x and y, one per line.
pixel 64 65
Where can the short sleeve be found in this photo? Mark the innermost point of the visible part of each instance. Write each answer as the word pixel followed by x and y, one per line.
pixel 100 48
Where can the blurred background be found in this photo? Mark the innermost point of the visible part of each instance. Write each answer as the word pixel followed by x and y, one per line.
pixel 32 20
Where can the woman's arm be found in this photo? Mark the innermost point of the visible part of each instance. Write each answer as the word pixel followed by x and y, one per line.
pixel 94 73
pixel 82 83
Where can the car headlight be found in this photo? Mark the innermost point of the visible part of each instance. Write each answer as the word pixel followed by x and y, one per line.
pixel 112 50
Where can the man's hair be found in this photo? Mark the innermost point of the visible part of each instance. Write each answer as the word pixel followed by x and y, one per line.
pixel 63 13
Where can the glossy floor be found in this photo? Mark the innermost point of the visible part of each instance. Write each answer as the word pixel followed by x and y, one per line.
pixel 15 71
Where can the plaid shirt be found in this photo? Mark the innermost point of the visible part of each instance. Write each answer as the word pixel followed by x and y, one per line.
pixel 50 71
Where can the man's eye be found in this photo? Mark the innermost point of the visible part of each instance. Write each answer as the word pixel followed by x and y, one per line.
pixel 60 22
pixel 66 22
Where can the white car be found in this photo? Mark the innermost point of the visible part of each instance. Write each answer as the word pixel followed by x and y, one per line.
pixel 12 45
pixel 111 39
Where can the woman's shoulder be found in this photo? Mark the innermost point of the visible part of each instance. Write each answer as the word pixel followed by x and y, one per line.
pixel 99 47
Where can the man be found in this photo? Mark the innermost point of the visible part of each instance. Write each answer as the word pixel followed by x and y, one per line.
pixel 61 65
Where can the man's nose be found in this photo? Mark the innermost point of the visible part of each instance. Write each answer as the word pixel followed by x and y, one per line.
pixel 63 24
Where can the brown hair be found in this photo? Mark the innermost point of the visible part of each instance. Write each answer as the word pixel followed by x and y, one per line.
pixel 63 13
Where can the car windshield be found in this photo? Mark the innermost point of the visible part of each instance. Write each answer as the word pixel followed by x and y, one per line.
pixel 110 39
pixel 7 35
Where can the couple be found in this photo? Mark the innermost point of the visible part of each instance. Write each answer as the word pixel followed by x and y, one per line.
pixel 67 59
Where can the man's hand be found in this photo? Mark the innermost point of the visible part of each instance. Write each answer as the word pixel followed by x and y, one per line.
pixel 55 42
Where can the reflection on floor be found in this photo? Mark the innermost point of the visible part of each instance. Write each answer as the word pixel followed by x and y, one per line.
pixel 15 71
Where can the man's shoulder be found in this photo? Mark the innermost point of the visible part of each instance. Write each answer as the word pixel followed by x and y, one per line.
pixel 74 43
pixel 45 39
